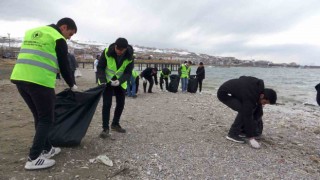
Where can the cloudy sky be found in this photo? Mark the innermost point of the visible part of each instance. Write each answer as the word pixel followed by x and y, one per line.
pixel 274 30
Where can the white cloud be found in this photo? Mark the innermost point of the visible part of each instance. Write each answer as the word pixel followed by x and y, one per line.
pixel 279 31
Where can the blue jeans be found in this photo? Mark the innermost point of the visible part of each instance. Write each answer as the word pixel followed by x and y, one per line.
pixel 184 83
pixel 131 86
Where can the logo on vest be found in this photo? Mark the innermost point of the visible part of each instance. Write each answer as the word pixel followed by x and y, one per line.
pixel 36 35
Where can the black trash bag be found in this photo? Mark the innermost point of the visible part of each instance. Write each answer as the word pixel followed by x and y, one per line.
pixel 318 93
pixel 192 84
pixel 73 115
pixel 174 83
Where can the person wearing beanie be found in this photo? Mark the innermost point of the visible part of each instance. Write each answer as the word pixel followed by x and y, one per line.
pixel 200 75
pixel 114 70
pixel 246 95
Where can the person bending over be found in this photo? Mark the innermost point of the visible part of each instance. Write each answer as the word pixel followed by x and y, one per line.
pixel 147 75
pixel 245 95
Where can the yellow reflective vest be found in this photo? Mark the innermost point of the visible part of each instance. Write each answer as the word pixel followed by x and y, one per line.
pixel 37 60
pixel 185 71
pixel 111 69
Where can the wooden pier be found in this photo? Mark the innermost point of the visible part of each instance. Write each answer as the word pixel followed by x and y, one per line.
pixel 173 66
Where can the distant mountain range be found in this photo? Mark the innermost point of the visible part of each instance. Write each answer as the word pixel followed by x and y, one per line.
pixel 89 49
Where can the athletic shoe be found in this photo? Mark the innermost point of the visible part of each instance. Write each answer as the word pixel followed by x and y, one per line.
pixel 118 128
pixel 53 151
pixel 254 144
pixel 40 163
pixel 104 134
pixel 236 139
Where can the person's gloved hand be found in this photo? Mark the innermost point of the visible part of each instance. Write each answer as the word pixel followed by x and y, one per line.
pixel 102 84
pixel 144 80
pixel 74 87
pixel 115 83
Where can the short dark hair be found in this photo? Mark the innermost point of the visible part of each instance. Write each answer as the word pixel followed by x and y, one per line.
pixel 121 43
pixel 201 63
pixel 271 95
pixel 69 22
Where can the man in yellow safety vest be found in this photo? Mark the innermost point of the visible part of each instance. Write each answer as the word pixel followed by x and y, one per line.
pixel 42 55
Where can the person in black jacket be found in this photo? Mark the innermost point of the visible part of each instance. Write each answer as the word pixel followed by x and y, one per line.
pixel 118 56
pixel 73 65
pixel 200 75
pixel 147 75
pixel 318 93
pixel 245 95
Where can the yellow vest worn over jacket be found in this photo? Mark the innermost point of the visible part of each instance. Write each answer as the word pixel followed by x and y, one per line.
pixel 184 71
pixel 111 69
pixel 164 75
pixel 135 74
pixel 37 60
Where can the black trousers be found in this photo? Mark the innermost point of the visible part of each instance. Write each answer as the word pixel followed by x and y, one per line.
pixel 96 77
pixel 137 84
pixel 107 103
pixel 161 82
pixel 239 123
pixel 41 101
pixel 150 80
pixel 200 84
pixel 73 77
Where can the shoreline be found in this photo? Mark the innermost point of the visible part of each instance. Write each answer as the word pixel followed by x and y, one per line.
pixel 169 136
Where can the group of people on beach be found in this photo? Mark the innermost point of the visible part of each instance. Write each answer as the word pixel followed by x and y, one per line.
pixel 44 53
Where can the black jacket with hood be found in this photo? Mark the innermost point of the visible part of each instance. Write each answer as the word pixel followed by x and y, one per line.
pixel 102 64
pixel 247 90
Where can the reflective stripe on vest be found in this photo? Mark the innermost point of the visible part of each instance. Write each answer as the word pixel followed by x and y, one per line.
pixel 37 60
pixel 37 63
pixel 111 69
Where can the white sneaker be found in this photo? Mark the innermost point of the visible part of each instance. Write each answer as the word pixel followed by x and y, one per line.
pixel 253 143
pixel 54 151
pixel 40 163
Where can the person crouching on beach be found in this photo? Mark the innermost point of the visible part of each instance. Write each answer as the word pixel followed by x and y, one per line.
pixel 245 95
pixel 147 75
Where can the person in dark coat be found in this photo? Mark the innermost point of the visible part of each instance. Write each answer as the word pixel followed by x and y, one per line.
pixel 245 95
pixel 318 93
pixel 147 75
pixel 200 75
pixel 73 65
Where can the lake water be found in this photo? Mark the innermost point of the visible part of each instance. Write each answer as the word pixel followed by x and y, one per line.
pixel 293 85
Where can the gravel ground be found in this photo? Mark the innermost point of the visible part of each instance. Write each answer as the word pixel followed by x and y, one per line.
pixel 169 136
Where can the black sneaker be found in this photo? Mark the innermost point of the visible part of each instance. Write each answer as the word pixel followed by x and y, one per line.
pixel 104 134
pixel 236 139
pixel 118 128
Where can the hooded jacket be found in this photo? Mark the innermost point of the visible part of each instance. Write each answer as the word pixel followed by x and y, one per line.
pixel 247 90
pixel 128 54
